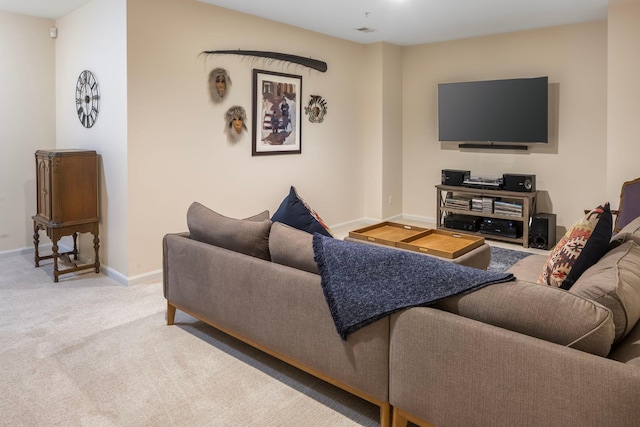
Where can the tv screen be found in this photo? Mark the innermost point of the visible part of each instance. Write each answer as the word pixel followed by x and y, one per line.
pixel 513 110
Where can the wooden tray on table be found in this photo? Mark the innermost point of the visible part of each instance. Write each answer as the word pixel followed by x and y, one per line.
pixel 386 233
pixel 442 243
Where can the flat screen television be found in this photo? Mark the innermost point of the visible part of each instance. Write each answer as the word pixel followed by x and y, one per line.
pixel 503 111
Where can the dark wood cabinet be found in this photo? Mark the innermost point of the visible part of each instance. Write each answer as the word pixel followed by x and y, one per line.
pixel 67 202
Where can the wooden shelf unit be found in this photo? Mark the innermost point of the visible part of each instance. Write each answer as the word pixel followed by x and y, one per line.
pixel 528 201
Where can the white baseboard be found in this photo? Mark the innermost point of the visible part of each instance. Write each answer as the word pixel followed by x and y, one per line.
pixel 349 224
pixel 366 220
pixel 24 251
pixel 150 277
pixel 153 276
pixel 426 219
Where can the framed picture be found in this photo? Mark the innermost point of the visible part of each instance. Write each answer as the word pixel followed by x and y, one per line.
pixel 276 113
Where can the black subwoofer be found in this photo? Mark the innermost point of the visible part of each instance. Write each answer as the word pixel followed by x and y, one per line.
pixel 519 182
pixel 542 232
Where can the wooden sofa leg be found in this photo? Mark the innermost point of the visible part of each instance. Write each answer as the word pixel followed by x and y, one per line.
pixel 401 419
pixel 385 415
pixel 171 313
pixel 398 419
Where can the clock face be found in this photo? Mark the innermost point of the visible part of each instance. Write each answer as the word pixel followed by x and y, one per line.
pixel 87 98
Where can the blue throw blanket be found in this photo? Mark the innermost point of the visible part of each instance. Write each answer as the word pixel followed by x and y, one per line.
pixel 363 283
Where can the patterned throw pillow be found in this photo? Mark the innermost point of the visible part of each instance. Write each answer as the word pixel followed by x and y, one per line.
pixel 580 248
pixel 296 213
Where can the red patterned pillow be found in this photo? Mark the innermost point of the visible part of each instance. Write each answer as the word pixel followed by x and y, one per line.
pixel 580 248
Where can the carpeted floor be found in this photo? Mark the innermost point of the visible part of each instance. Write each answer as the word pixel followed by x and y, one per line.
pixel 89 352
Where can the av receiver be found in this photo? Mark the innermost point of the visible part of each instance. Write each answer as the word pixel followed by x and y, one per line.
pixel 501 227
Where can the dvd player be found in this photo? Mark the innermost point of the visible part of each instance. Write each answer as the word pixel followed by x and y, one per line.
pixel 483 182
pixel 501 227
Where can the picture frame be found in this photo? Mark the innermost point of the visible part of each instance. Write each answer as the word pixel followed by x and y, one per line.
pixel 277 113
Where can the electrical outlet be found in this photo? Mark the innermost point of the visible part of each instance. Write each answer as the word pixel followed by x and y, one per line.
pixel 390 200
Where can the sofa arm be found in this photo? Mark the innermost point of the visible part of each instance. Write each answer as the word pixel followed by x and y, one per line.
pixel 165 259
pixel 449 370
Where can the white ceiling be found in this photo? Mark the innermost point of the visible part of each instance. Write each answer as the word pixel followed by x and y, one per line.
pixel 42 8
pixel 400 22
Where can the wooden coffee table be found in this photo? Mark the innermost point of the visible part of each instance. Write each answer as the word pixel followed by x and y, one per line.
pixel 460 248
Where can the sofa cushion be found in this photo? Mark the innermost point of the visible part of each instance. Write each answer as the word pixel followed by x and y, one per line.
pixel 614 282
pixel 292 247
pixel 528 268
pixel 630 231
pixel 543 312
pixel 295 212
pixel 580 248
pixel 248 236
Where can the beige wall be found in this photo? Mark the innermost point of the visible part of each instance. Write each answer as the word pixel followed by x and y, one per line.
pixel 623 114
pixel 177 151
pixel 392 132
pixel 570 170
pixel 93 38
pixel 372 130
pixel 27 121
pixel 382 131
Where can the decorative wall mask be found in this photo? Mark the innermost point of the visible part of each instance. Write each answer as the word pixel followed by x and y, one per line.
pixel 235 119
pixel 219 84
pixel 316 109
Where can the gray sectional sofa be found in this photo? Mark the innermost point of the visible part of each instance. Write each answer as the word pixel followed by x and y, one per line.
pixel 271 299
pixel 524 354
pixel 515 353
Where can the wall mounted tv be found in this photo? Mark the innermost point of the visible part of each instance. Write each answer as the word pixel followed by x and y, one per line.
pixel 494 111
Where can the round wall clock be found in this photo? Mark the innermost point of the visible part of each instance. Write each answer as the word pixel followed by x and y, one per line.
pixel 87 98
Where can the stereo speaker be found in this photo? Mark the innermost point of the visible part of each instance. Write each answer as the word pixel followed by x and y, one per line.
pixel 517 182
pixel 542 231
pixel 454 177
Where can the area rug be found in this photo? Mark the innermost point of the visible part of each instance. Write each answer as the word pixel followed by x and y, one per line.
pixel 502 259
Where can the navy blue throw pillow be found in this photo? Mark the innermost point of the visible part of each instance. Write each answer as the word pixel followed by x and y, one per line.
pixel 294 212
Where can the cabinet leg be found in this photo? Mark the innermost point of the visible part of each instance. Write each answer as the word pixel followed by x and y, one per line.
pixel 36 243
pixel 96 246
pixel 55 261
pixel 75 246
